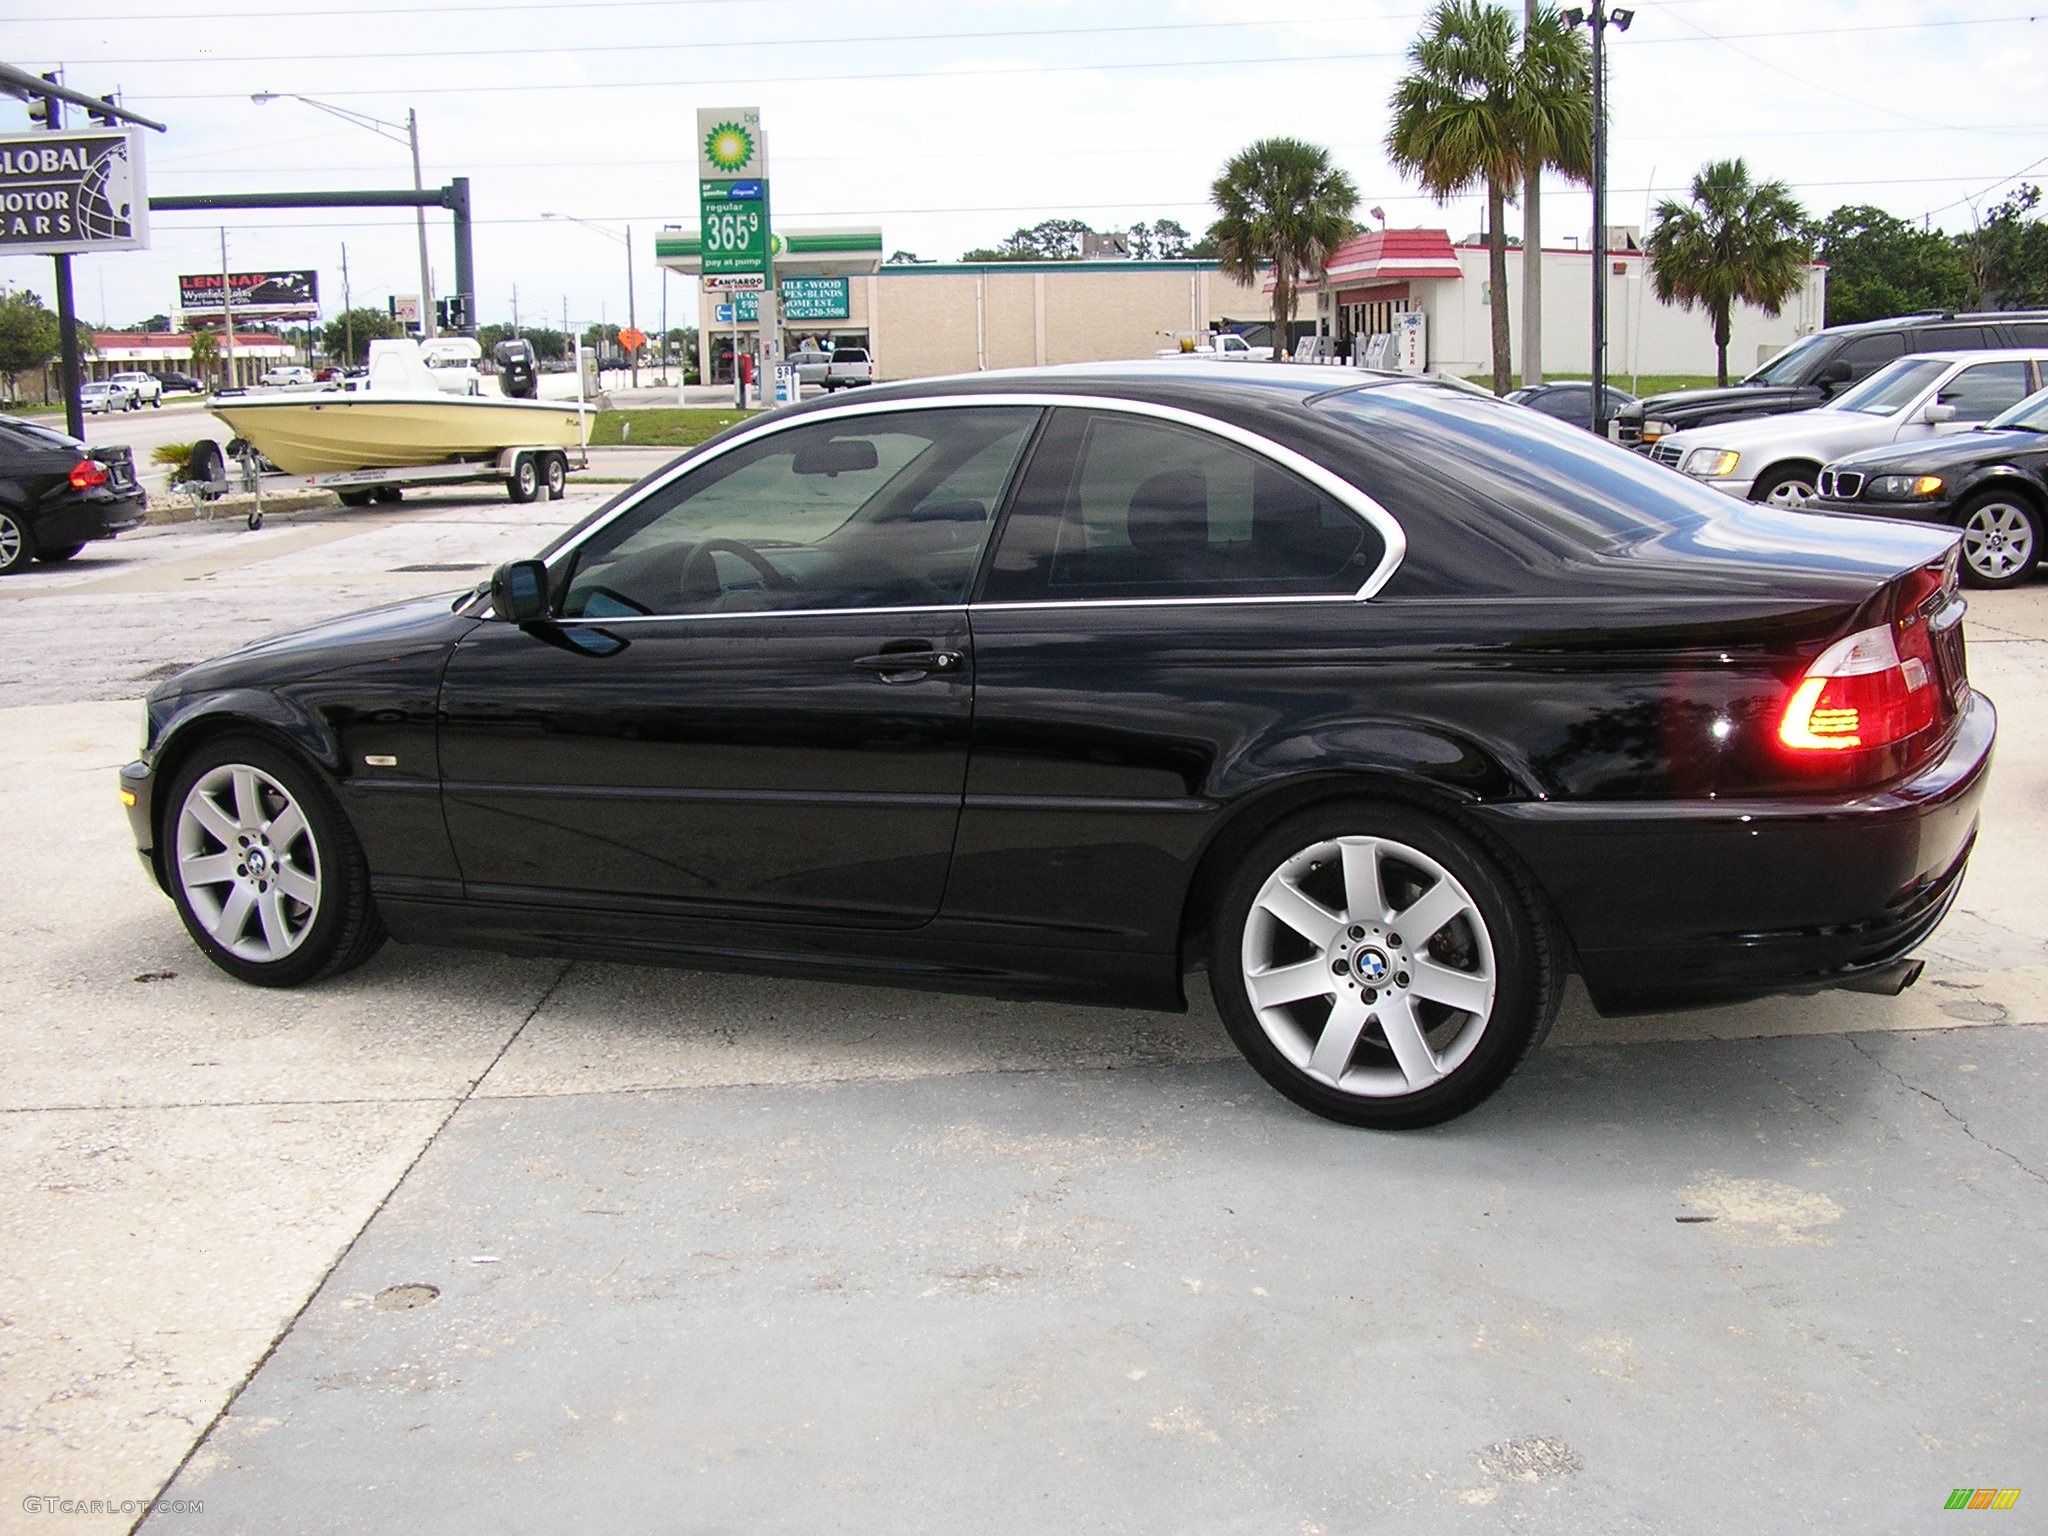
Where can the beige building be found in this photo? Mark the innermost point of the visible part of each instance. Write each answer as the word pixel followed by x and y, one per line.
pixel 964 317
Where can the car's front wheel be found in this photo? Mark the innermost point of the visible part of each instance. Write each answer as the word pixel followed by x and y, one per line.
pixel 1379 968
pixel 265 872
pixel 1789 485
pixel 2001 539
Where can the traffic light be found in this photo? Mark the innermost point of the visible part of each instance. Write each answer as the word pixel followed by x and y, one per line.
pixel 453 312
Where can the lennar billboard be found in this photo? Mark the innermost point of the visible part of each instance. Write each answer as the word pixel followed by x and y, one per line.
pixel 258 295
pixel 67 192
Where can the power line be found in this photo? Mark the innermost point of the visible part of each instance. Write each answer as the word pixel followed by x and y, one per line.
pixel 643 46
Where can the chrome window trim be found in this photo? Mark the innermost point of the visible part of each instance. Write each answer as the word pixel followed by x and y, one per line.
pixel 1328 481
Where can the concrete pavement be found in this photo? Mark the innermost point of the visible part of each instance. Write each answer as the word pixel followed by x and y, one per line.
pixel 733 1253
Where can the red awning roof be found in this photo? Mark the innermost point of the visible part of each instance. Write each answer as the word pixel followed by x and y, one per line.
pixel 1392 256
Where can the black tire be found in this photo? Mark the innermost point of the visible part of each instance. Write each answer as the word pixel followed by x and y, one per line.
pixel 2001 539
pixel 206 462
pixel 355 498
pixel 299 908
pixel 57 554
pixel 158 402
pixel 556 473
pixel 388 494
pixel 1787 485
pixel 523 484
pixel 1365 996
pixel 17 544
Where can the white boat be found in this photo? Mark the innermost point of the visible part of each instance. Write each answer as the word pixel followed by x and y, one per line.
pixel 395 416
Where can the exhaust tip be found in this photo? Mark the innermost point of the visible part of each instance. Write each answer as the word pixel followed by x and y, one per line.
pixel 1886 981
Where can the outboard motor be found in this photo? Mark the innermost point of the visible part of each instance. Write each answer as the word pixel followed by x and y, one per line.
pixel 518 371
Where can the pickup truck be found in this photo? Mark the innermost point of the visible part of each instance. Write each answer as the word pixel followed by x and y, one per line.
pixel 850 367
pixel 811 364
pixel 1218 346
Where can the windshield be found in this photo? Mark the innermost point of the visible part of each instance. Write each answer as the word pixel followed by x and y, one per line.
pixel 2030 415
pixel 1786 366
pixel 1893 387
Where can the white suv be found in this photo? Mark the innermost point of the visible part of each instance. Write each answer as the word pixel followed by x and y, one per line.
pixel 1778 458
pixel 146 388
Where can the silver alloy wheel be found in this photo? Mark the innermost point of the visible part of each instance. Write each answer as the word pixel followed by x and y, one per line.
pixel 12 542
pixel 1792 491
pixel 1369 967
pixel 247 863
pixel 1998 540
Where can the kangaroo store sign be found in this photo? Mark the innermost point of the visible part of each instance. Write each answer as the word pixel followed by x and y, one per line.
pixel 62 193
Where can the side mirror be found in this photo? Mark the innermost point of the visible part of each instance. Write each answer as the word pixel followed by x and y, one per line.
pixel 1938 414
pixel 1835 375
pixel 519 591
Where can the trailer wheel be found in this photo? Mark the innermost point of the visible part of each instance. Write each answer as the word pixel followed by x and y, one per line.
pixel 255 521
pixel 524 482
pixel 207 464
pixel 356 498
pixel 557 472
pixel 388 493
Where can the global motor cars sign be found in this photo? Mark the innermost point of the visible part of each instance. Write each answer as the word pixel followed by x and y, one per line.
pixel 63 193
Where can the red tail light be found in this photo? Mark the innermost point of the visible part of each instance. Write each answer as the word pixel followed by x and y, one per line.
pixel 87 473
pixel 1879 687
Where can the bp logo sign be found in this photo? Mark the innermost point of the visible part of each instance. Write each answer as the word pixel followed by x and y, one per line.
pixel 729 144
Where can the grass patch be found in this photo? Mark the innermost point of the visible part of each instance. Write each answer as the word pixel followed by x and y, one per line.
pixel 661 427
pixel 1649 384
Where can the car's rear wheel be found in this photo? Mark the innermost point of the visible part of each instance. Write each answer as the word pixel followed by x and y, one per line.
pixel 1379 968
pixel 265 872
pixel 1789 485
pixel 2001 539
pixel 16 546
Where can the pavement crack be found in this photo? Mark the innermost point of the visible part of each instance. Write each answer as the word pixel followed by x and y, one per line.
pixel 291 1324
pixel 1939 1103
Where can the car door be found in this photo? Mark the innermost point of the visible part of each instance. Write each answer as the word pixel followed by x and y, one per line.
pixel 753 699
pixel 1976 394
pixel 1141 621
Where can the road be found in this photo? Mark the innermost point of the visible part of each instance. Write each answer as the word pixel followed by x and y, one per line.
pixel 464 1241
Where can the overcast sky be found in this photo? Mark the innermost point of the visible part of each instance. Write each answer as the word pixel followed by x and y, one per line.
pixel 949 124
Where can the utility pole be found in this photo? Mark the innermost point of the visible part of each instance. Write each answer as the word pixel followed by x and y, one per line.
pixel 1532 246
pixel 227 309
pixel 1599 19
pixel 348 324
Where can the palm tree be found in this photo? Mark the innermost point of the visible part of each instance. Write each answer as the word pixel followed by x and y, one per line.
pixel 1284 206
pixel 1482 106
pixel 1734 240
pixel 205 353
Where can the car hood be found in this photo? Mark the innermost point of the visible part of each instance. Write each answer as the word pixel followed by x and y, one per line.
pixel 1685 400
pixel 1819 434
pixel 1940 453
pixel 378 634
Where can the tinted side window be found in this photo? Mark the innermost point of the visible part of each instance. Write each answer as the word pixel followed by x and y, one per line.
pixel 2030 333
pixel 871 512
pixel 1117 507
pixel 1867 354
pixel 1951 338
pixel 1982 392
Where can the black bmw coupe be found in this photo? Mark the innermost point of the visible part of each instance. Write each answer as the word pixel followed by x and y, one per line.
pixel 1387 704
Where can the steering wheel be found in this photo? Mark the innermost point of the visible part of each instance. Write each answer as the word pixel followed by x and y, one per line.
pixel 699 578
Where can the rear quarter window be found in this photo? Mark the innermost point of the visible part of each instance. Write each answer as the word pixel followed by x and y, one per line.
pixel 1487 492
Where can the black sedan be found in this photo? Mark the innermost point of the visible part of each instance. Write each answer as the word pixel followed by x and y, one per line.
pixel 1571 400
pixel 57 494
pixel 1992 483
pixel 1385 703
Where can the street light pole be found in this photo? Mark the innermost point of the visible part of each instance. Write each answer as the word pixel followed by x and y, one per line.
pixel 1598 20
pixel 632 321
pixel 410 130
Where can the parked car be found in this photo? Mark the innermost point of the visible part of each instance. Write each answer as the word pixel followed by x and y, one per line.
pixel 104 395
pixel 286 376
pixel 850 367
pixel 175 382
pixel 811 365
pixel 1571 400
pixel 1817 368
pixel 57 494
pixel 145 387
pixel 1991 483
pixel 1778 458
pixel 1387 701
